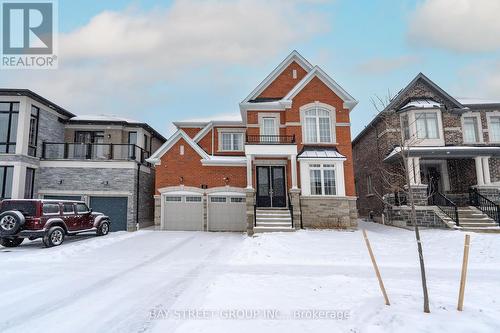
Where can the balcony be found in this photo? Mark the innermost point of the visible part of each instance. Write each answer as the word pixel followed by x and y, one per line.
pixel 93 152
pixel 270 139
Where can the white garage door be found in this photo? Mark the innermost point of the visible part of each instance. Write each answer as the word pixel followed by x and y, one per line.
pixel 183 212
pixel 226 212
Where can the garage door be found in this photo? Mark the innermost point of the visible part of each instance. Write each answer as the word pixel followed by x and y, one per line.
pixel 183 212
pixel 63 197
pixel 114 207
pixel 227 212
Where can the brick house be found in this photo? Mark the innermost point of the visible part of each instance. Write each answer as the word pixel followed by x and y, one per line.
pixel 287 164
pixel 452 145
pixel 48 152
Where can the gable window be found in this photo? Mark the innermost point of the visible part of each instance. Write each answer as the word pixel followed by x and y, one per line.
pixel 231 141
pixel 494 130
pixel 471 129
pixel 317 124
pixel 9 113
pixel 322 179
pixel 427 125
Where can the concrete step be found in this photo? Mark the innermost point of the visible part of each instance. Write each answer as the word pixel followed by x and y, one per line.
pixel 477 224
pixel 259 229
pixel 266 215
pixel 273 218
pixel 495 230
pixel 275 224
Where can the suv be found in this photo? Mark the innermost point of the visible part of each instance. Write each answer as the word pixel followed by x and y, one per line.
pixel 50 220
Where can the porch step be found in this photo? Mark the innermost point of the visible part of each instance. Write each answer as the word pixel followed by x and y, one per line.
pixel 471 219
pixel 273 220
pixel 259 229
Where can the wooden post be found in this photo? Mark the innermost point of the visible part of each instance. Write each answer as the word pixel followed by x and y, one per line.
pixel 464 274
pixel 377 272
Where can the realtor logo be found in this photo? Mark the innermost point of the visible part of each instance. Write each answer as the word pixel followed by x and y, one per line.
pixel 28 34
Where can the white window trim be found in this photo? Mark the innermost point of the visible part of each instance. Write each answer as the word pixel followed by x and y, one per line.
pixel 413 128
pixel 488 121
pixel 479 126
pixel 333 132
pixel 305 177
pixel 240 131
pixel 276 117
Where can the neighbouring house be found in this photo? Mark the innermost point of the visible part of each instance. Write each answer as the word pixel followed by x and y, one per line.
pixel 286 164
pixel 453 150
pixel 48 152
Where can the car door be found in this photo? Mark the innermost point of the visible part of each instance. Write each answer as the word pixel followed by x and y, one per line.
pixel 85 220
pixel 69 216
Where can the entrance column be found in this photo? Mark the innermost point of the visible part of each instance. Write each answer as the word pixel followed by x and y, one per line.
pixel 479 170
pixel 293 161
pixel 249 172
pixel 486 170
pixel 416 167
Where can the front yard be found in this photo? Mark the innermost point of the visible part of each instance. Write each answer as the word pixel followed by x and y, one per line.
pixel 152 281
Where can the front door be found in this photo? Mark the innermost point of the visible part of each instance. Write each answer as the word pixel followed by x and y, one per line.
pixel 271 188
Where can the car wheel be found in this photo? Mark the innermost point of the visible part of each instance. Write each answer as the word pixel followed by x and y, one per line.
pixel 11 242
pixel 103 229
pixel 11 221
pixel 54 237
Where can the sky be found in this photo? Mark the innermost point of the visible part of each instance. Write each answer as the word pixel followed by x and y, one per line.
pixel 164 61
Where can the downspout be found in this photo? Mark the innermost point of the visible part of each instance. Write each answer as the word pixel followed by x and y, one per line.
pixel 137 197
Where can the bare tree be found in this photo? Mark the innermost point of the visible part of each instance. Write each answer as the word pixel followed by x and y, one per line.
pixel 391 179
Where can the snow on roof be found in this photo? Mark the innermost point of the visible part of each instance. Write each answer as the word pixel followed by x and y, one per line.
pixel 102 117
pixel 422 104
pixel 320 153
pixel 477 101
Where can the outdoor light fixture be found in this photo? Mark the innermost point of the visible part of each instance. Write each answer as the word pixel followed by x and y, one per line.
pixel 181 180
pixel 105 182
pixel 226 180
pixel 60 181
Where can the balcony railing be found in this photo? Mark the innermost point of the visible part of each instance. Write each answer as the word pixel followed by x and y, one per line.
pixel 270 139
pixel 93 151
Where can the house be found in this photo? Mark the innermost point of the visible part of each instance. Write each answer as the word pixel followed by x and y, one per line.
pixel 48 152
pixel 286 164
pixel 453 149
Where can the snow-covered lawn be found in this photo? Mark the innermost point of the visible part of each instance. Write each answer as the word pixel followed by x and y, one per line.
pixel 145 281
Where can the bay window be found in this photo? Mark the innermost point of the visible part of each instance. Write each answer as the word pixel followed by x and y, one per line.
pixel 9 113
pixel 231 141
pixel 427 125
pixel 317 124
pixel 322 179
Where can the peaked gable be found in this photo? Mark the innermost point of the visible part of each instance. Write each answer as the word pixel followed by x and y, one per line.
pixel 180 134
pixel 283 83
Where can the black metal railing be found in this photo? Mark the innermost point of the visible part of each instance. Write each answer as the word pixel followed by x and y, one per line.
pixel 290 208
pixel 93 151
pixel 446 205
pixel 270 139
pixel 400 198
pixel 255 215
pixel 484 204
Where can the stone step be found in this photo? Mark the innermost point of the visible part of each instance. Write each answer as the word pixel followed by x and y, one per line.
pixel 259 229
pixel 274 214
pixel 273 218
pixel 495 230
pixel 477 224
pixel 275 224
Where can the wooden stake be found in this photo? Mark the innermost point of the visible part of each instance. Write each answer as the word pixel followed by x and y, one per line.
pixel 377 272
pixel 464 274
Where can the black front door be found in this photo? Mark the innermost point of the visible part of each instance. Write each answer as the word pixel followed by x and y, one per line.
pixel 271 188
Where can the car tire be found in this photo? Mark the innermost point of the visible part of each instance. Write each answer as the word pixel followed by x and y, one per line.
pixel 103 229
pixel 11 242
pixel 11 221
pixel 54 237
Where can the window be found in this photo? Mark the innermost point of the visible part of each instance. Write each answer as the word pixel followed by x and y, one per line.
pixel 269 126
pixel 6 182
pixel 173 199
pixel 33 134
pixel 405 124
pixel 29 183
pixel 193 199
pixel 494 129
pixel 68 208
pixel 322 179
pixel 369 186
pixel 232 141
pixel 82 208
pixel 427 125
pixel 50 209
pixel 218 199
pixel 471 129
pixel 238 200
pixel 9 113
pixel 132 141
pixel 317 125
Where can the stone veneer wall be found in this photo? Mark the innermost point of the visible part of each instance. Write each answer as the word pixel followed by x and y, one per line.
pixel 399 216
pixel 325 213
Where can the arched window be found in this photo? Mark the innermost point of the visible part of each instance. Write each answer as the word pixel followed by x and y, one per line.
pixel 317 123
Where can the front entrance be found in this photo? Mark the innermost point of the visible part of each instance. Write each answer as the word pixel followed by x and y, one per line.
pixel 271 187
pixel 431 175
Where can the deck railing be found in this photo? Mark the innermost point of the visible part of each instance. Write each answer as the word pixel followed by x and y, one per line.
pixel 484 204
pixel 270 139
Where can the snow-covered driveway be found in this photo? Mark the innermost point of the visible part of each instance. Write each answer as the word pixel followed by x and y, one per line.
pixel 152 281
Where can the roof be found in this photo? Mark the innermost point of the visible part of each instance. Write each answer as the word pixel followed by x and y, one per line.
pixel 314 152
pixel 478 101
pixel 36 97
pixel 445 152
pixel 113 120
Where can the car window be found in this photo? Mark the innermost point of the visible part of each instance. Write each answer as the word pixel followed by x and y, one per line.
pixel 82 208
pixel 68 208
pixel 50 208
pixel 26 207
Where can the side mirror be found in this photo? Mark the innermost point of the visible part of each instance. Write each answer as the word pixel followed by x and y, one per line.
pixel 90 210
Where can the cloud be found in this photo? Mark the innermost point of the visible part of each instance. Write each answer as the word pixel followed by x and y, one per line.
pixel 386 65
pixel 116 62
pixel 480 79
pixel 456 25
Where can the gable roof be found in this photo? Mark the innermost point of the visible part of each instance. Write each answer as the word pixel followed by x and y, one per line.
pixel 294 56
pixel 180 134
pixel 349 101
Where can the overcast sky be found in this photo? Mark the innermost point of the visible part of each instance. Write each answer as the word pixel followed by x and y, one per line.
pixel 162 61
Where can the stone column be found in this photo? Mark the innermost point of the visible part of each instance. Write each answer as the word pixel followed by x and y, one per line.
pixel 411 170
pixel 295 201
pixel 486 170
pixel 293 161
pixel 250 201
pixel 419 194
pixel 416 167
pixel 479 170
pixel 249 172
